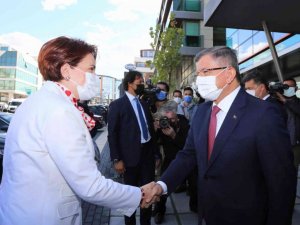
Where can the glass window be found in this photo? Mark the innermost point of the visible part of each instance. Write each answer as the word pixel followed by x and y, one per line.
pixel 259 41
pixel 192 29
pixel 230 31
pixel 276 36
pixel 245 50
pixel 192 5
pixel 244 35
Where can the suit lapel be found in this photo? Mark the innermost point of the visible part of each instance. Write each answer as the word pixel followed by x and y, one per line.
pixel 232 118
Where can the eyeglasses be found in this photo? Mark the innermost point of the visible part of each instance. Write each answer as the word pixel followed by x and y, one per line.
pixel 205 71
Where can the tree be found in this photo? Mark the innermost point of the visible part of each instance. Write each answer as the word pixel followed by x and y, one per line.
pixel 167 45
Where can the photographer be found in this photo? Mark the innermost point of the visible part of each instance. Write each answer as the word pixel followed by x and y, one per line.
pixel 156 96
pixel 172 130
pixel 292 105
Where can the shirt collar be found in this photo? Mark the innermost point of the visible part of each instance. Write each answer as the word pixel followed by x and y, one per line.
pixel 130 96
pixel 226 102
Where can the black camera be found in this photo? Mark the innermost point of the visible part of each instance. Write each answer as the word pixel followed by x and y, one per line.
pixel 149 94
pixel 277 87
pixel 164 122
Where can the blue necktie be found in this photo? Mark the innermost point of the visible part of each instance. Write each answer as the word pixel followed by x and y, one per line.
pixel 142 120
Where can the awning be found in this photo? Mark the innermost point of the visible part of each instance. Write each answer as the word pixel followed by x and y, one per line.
pixel 280 15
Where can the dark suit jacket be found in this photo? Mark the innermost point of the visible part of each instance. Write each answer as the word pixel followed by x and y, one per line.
pixel 124 135
pixel 250 178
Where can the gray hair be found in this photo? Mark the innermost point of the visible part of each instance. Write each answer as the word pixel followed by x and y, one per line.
pixel 223 55
pixel 169 106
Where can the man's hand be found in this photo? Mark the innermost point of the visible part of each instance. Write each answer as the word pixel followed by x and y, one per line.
pixel 169 131
pixel 119 167
pixel 280 97
pixel 156 124
pixel 151 194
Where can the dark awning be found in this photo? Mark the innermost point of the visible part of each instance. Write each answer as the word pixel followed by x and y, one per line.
pixel 280 15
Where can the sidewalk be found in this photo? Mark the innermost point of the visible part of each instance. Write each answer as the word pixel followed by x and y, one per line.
pixel 177 213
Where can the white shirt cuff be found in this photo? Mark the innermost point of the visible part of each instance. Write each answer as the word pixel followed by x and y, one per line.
pixel 164 187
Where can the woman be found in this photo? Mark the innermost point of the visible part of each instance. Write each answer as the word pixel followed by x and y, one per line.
pixel 49 154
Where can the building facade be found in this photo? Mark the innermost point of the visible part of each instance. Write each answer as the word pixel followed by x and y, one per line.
pixel 19 74
pixel 254 52
pixel 189 16
pixel 143 63
pixel 109 89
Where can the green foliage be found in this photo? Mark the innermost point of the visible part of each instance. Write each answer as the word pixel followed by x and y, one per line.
pixel 167 56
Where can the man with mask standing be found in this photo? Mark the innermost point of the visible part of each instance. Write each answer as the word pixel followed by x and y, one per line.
pixel 187 107
pixel 292 105
pixel 131 139
pixel 241 147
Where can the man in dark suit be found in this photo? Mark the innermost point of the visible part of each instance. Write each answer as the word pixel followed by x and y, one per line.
pixel 240 144
pixel 131 139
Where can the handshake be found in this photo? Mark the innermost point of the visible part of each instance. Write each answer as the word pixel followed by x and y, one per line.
pixel 150 194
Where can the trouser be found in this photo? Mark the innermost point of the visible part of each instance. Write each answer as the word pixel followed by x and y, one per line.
pixel 137 176
pixel 296 151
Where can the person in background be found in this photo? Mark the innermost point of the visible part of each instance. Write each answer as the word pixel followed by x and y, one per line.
pixel 257 86
pixel 187 107
pixel 177 96
pixel 161 96
pixel 241 148
pixel 172 132
pixel 292 106
pixel 132 143
pixel 49 152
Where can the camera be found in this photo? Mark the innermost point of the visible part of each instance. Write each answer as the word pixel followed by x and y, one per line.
pixel 277 87
pixel 149 94
pixel 164 122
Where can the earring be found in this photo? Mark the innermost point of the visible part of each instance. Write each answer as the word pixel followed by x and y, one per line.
pixel 67 78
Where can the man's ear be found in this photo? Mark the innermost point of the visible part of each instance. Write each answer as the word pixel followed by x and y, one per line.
pixel 231 74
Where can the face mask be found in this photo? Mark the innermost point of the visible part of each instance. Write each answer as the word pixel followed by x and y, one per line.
pixel 162 95
pixel 251 92
pixel 187 99
pixel 290 92
pixel 207 87
pixel 90 88
pixel 139 89
pixel 177 100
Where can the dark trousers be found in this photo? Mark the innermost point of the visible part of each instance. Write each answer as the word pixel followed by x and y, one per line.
pixel 139 175
pixel 296 151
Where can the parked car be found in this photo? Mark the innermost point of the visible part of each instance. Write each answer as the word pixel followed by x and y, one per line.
pixel 5 119
pixel 14 104
pixel 99 110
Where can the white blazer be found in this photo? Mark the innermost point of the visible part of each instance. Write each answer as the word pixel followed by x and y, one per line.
pixel 49 166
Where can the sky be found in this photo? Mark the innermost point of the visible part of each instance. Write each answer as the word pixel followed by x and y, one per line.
pixel 120 28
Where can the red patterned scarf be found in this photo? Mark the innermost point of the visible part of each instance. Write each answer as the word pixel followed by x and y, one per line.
pixel 89 121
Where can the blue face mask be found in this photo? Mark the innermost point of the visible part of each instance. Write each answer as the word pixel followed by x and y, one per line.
pixel 162 95
pixel 187 99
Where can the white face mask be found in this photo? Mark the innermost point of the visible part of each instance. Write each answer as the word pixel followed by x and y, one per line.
pixel 90 88
pixel 251 92
pixel 207 87
pixel 177 100
pixel 289 92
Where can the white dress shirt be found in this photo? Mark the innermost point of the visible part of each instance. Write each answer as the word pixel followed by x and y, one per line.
pixel 133 103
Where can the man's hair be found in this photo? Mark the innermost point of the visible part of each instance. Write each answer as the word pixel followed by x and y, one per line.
pixel 293 80
pixel 169 106
pixel 164 83
pixel 189 89
pixel 177 91
pixel 130 77
pixel 256 76
pixel 225 56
